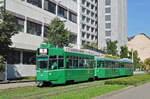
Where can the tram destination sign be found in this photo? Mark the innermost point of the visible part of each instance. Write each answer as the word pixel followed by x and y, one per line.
pixel 43 51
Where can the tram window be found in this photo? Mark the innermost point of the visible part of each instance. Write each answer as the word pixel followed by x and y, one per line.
pixel 91 64
pixel 106 64
pixel 60 62
pixel 125 65
pixel 100 64
pixel 75 62
pixel 113 65
pixel 69 62
pixel 53 62
pixel 122 65
pixel 43 64
pixel 116 65
pixel 109 64
pixel 81 63
pixel 86 63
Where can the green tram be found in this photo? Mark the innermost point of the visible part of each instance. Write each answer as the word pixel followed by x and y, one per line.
pixel 60 66
pixel 108 68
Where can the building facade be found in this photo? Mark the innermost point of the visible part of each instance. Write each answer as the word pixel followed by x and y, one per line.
pixel 90 21
pixel 112 16
pixel 140 43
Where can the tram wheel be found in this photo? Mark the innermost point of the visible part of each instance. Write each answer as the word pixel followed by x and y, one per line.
pixel 39 84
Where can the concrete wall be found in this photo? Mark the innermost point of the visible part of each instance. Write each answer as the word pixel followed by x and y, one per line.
pixel 18 70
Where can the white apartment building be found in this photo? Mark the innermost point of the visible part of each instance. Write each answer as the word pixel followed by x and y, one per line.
pixel 112 16
pixel 87 20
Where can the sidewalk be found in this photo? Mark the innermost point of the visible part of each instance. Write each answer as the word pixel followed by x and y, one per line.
pixel 140 92
pixel 16 84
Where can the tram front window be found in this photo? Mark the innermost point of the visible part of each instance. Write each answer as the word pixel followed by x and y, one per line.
pixel 43 64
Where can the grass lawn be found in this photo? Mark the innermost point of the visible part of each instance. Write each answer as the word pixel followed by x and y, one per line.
pixel 33 92
pixel 132 80
pixel 75 91
pixel 89 92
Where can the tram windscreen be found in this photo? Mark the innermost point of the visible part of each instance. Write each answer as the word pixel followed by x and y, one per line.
pixel 43 64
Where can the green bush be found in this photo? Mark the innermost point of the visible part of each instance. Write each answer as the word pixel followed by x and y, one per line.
pixel 132 80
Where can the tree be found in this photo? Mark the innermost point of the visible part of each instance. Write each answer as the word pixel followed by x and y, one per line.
pixel 124 52
pixel 57 34
pixel 147 63
pixel 8 28
pixel 112 47
pixel 136 60
pixel 84 46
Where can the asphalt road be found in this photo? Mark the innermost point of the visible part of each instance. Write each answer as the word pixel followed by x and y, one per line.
pixel 140 92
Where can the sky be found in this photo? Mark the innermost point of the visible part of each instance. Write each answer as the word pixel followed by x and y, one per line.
pixel 138 16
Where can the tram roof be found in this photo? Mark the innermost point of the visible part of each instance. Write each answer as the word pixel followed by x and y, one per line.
pixel 114 60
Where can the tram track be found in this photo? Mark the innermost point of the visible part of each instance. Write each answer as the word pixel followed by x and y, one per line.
pixel 56 92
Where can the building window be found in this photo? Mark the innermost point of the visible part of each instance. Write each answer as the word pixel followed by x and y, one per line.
pixel 20 24
pixel 83 42
pixel 95 8
pixel 92 6
pixel 74 0
pixel 50 6
pixel 87 4
pixel 88 36
pixel 92 29
pixel 107 2
pixel 108 33
pixel 72 17
pixel 33 28
pixel 108 25
pixel 83 10
pixel 37 3
pixel 13 57
pixel 88 12
pixel 73 39
pixel 83 18
pixel 108 10
pixel 29 58
pixel 87 20
pixel 83 2
pixel 83 34
pixel 88 28
pixel 92 37
pixel 62 12
pixel 107 17
pixel 95 37
pixel 92 22
pixel 83 26
pixel 92 14
pixel 95 1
